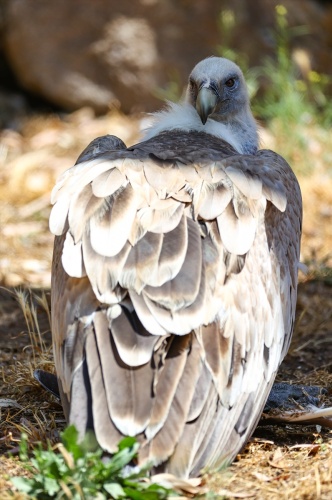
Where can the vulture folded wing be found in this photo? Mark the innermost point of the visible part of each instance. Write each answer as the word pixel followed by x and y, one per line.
pixel 179 276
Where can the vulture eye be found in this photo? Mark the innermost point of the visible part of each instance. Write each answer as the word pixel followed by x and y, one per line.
pixel 230 83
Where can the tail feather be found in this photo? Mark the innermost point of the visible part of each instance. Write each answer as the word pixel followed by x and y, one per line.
pixel 106 433
pixel 167 378
pixel 184 458
pixel 165 441
pixel 128 389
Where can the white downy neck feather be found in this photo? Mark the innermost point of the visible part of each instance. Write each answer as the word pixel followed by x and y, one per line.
pixel 182 116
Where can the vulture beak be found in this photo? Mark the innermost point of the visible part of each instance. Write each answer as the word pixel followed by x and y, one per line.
pixel 206 102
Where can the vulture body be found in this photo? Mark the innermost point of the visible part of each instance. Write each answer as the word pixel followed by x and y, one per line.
pixel 174 279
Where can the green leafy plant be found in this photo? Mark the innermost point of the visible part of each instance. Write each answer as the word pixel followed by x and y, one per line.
pixel 289 90
pixel 293 93
pixel 285 94
pixel 78 471
pixel 227 22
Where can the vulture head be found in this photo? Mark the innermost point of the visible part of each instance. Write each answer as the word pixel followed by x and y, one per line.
pixel 217 90
pixel 216 103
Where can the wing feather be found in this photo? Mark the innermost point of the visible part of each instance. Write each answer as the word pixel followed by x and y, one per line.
pixel 82 206
pixel 134 344
pixel 157 257
pixel 249 185
pixel 180 290
pixel 110 227
pixel 237 231
pixel 72 257
pixel 59 215
pixel 214 201
pixel 104 272
pixel 107 183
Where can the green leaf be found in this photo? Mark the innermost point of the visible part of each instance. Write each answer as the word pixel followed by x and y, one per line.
pixel 122 457
pixel 115 490
pixel 51 486
pixel 99 496
pixel 143 495
pixel 127 442
pixel 23 484
pixel 24 447
pixel 69 437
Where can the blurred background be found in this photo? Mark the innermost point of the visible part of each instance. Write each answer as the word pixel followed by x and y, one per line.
pixel 70 71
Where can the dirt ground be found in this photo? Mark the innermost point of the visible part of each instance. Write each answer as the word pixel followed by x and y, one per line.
pixel 280 462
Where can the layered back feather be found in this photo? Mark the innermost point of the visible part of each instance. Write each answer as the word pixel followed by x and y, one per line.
pixel 173 293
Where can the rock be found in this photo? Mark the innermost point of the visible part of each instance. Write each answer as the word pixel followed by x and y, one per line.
pixel 108 53
pixel 100 53
pixel 285 397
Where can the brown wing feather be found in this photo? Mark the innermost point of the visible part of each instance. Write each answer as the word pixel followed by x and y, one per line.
pixel 176 332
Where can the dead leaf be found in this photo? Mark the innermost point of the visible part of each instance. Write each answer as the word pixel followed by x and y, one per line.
pixel 262 477
pixel 314 450
pixel 281 476
pixel 278 460
pixel 277 455
pixel 279 465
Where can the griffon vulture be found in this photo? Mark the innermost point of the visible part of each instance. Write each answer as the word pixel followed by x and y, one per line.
pixel 174 279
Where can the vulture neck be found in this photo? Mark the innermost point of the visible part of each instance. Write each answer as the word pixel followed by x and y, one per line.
pixel 239 131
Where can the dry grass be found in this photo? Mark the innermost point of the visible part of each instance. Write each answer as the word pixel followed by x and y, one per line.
pixel 280 462
pixel 29 409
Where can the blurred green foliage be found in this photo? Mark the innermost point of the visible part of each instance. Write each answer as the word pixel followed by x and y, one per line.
pixel 227 23
pixel 290 94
